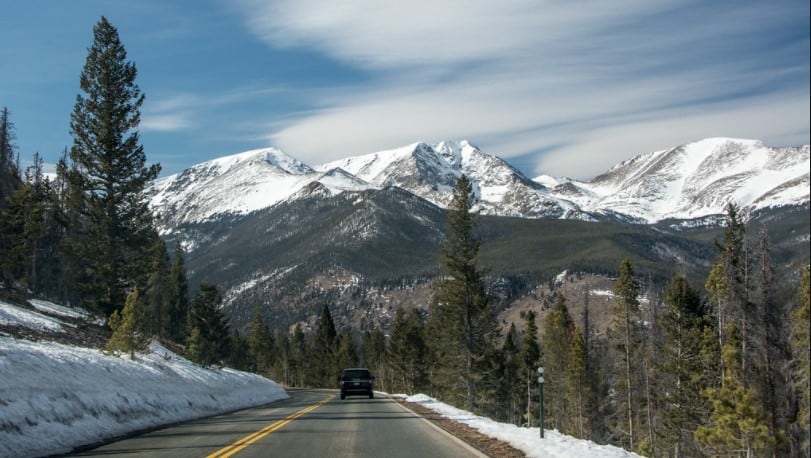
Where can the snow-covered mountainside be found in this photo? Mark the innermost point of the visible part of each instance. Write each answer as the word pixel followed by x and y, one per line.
pixel 431 171
pixel 238 185
pixel 690 181
pixel 694 180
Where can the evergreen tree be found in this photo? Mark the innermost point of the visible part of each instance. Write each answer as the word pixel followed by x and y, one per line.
pixel 113 231
pixel 260 345
pixel 512 391
pixel 14 241
pixel 208 341
pixel 530 359
pixel 9 174
pixel 556 343
pixel 768 345
pixel 625 341
pixel 463 329
pixel 299 357
pixel 801 360
pixel 737 426
pixel 127 335
pixel 176 319
pixel 157 296
pixel 346 352
pixel 680 367
pixel 282 368
pixel 374 356
pixel 323 371
pixel 406 352
pixel 727 282
pixel 577 387
pixel 239 354
pixel 26 227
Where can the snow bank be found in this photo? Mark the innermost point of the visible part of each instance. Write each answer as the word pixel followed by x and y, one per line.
pixel 528 440
pixel 56 397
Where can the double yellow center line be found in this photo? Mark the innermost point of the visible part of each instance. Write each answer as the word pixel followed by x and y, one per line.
pixel 241 444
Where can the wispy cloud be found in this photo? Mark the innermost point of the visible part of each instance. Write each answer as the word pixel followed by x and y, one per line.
pixel 166 122
pixel 583 84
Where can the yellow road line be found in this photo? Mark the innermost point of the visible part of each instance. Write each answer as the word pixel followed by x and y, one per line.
pixel 239 445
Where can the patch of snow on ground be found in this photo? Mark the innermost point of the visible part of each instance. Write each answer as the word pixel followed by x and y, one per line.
pixel 528 440
pixel 11 315
pixel 50 307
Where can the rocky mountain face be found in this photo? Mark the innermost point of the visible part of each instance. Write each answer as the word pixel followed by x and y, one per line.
pixel 363 233
pixel 686 182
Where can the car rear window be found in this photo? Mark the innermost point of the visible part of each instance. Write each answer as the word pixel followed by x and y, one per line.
pixel 354 374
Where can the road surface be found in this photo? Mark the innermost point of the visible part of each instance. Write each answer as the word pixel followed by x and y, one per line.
pixel 312 423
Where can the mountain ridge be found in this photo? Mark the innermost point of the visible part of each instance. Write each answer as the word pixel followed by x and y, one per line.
pixel 287 238
pixel 689 181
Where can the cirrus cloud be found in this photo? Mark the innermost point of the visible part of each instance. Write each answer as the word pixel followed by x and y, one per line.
pixel 562 81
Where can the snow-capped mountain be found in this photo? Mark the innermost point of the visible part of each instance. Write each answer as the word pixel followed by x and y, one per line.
pixel 694 180
pixel 690 181
pixel 238 185
pixel 431 171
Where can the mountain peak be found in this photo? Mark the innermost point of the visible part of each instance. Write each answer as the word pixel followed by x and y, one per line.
pixel 689 181
pixel 698 179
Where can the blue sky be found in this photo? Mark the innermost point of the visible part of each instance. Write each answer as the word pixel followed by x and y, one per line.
pixel 557 87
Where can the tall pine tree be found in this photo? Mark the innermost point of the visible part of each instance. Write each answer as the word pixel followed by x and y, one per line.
pixel 801 360
pixel 680 367
pixel 322 370
pixel 530 359
pixel 727 283
pixel 176 320
pixel 556 343
pixel 737 425
pixel 512 392
pixel 114 228
pixel 625 342
pixel 374 356
pixel 208 341
pixel 9 175
pixel 406 352
pixel 463 329
pixel 577 385
pixel 260 345
pixel 768 345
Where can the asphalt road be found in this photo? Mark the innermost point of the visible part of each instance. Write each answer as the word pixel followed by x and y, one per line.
pixel 313 423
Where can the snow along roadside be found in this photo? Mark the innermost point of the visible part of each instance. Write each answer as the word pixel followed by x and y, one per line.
pixel 54 397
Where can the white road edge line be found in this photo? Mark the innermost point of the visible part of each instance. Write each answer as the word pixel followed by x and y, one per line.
pixel 474 451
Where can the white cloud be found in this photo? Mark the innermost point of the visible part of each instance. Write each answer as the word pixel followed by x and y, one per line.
pixel 165 122
pixel 774 119
pixel 584 86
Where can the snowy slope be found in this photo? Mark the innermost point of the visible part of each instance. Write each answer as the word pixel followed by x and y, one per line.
pixel 237 185
pixel 56 397
pixel 695 180
pixel 431 171
pixel 689 181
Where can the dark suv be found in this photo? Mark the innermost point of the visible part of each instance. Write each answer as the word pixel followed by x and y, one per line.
pixel 357 381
